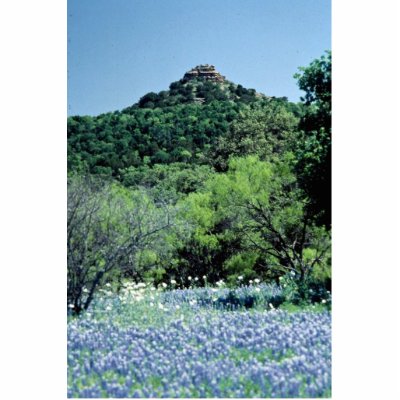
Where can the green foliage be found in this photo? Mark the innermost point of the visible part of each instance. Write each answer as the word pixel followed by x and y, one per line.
pixel 196 90
pixel 265 129
pixel 177 125
pixel 309 291
pixel 316 80
pixel 183 124
pixel 241 180
pixel 256 217
pixel 313 148
pixel 241 265
pixel 167 181
pixel 113 232
pixel 181 133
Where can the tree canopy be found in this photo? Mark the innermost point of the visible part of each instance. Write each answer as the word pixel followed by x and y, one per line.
pixel 204 179
pixel 313 150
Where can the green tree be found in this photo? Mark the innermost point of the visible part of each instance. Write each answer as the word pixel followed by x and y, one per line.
pixel 259 203
pixel 313 149
pixel 167 181
pixel 264 130
pixel 316 81
pixel 108 226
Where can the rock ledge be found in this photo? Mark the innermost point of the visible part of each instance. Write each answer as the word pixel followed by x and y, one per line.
pixel 207 72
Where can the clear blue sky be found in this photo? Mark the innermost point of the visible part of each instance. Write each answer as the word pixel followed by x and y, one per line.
pixel 119 50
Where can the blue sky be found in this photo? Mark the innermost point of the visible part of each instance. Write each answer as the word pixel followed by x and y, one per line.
pixel 120 50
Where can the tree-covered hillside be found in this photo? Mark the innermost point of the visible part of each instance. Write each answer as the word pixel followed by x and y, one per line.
pixel 204 179
pixel 181 124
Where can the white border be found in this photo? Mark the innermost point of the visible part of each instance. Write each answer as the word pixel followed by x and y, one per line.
pixel 365 238
pixel 33 201
pixel 366 221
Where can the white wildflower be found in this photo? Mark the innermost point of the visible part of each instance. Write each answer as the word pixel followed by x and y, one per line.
pixel 240 277
pixel 323 301
pixel 160 306
pixel 271 305
pixel 71 306
pixel 108 308
pixel 177 307
pixel 204 277
pixel 85 290
pixel 257 280
pixel 258 289
pixel 173 281
pixel 196 278
pixel 164 284
pixel 189 278
pixel 250 281
pixel 108 284
pixel 151 304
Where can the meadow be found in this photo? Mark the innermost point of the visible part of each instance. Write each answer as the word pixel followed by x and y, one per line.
pixel 142 341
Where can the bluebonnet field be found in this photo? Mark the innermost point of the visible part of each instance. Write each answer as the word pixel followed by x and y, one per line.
pixel 199 342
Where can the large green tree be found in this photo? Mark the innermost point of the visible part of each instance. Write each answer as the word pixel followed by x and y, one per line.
pixel 259 203
pixel 313 149
pixel 109 230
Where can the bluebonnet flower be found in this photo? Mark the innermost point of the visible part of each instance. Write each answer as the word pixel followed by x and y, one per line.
pixel 202 350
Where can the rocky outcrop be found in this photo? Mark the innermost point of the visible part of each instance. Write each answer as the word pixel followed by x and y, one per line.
pixel 207 72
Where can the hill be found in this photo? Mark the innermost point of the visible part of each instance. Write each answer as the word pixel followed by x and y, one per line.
pixel 202 84
pixel 182 124
pixel 219 183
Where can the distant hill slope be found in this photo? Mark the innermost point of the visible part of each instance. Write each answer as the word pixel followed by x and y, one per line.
pixel 202 84
pixel 177 125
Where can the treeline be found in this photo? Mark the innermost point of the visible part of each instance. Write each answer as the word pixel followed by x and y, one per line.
pixel 222 188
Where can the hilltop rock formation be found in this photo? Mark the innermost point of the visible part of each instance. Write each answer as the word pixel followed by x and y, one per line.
pixel 207 72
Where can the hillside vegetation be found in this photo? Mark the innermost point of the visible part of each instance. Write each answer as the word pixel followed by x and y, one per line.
pixel 208 179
